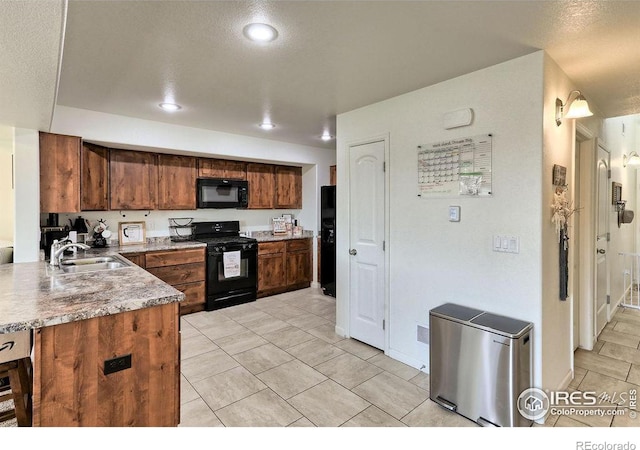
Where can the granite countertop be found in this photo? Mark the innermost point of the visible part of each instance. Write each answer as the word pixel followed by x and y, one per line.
pixel 152 245
pixel 267 236
pixel 31 296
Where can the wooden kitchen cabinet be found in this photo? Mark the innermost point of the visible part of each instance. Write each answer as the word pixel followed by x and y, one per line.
pixel 262 185
pixel 222 168
pixel 71 386
pixel 185 270
pixel 288 187
pixel 94 180
pixel 59 173
pixel 299 263
pixel 133 180
pixel 176 182
pixel 284 266
pixel 136 258
pixel 271 267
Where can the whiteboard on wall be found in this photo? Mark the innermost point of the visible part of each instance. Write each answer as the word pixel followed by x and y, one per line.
pixel 455 167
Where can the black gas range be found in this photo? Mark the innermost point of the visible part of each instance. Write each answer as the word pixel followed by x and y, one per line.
pixel 232 264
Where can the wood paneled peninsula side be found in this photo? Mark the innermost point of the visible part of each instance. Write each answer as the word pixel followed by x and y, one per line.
pixel 106 344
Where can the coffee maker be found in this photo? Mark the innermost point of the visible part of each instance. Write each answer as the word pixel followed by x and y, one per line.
pixel 52 231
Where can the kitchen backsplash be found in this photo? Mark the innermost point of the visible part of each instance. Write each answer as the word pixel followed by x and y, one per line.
pixel 157 222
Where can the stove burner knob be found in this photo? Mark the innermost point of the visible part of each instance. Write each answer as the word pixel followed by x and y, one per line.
pixel 216 249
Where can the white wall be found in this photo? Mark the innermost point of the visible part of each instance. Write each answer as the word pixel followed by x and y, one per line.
pixel 6 184
pixel 27 195
pixel 623 238
pixel 556 314
pixel 434 261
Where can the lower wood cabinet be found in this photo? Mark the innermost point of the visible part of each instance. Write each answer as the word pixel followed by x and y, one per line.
pixel 77 382
pixel 271 267
pixel 185 270
pixel 284 266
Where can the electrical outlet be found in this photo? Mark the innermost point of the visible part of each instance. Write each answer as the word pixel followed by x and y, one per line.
pixel 117 364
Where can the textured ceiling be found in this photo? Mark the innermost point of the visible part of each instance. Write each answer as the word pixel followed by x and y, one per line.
pixel 30 43
pixel 125 57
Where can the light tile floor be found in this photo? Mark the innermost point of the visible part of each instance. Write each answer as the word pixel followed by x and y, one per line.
pixel 612 367
pixel 277 362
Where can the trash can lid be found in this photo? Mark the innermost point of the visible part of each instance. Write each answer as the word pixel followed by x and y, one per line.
pixel 454 311
pixel 504 325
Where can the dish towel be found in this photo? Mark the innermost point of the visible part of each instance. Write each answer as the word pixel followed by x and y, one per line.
pixel 231 263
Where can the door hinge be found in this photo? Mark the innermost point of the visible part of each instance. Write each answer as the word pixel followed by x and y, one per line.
pixel 608 299
pixel 609 173
pixel 384 166
pixel 608 237
pixel 383 324
pixel 384 245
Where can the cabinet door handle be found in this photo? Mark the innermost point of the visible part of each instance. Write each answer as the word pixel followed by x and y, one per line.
pixel 602 251
pixel 353 252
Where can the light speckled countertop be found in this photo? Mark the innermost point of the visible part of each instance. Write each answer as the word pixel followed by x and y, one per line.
pixel 32 297
pixel 152 245
pixel 267 236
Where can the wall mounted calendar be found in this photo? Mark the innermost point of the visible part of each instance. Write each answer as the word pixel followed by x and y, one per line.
pixel 455 167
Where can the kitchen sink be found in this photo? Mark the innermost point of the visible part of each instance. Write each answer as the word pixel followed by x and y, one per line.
pixel 93 264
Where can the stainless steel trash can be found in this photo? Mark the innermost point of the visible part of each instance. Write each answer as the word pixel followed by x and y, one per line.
pixel 479 364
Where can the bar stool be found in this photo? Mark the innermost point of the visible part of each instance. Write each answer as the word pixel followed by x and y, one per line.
pixel 18 371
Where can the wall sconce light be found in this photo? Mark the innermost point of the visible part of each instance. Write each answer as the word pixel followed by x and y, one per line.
pixel 576 105
pixel 624 215
pixel 632 160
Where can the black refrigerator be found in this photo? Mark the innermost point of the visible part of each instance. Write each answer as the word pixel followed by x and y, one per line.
pixel 328 240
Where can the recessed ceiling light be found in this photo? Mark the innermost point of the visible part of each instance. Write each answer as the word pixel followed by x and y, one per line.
pixel 326 136
pixel 267 126
pixel 260 32
pixel 170 106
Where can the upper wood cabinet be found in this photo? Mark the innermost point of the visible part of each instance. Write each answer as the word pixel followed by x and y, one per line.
pixel 332 175
pixel 176 182
pixel 222 168
pixel 133 180
pixel 59 173
pixel 262 185
pixel 94 179
pixel 288 187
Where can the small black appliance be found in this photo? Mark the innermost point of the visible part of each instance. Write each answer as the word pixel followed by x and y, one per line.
pixel 222 193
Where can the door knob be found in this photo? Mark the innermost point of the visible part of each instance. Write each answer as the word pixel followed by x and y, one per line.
pixel 602 251
pixel 353 252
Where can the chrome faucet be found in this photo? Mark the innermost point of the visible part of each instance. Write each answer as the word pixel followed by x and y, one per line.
pixel 57 251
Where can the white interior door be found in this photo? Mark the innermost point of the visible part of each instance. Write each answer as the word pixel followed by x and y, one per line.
pixel 366 242
pixel 602 301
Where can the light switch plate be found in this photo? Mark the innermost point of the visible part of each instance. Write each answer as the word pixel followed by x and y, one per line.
pixel 454 214
pixel 506 244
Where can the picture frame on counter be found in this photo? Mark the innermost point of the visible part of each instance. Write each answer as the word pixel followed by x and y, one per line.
pixel 279 226
pixel 131 233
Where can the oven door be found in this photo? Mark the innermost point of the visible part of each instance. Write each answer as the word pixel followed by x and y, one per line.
pixel 225 277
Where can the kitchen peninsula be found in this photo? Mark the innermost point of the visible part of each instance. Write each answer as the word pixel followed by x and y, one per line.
pixel 106 344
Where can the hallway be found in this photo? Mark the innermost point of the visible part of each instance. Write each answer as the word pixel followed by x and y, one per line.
pixel 613 366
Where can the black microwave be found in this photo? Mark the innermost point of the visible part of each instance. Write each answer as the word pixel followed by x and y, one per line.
pixel 222 193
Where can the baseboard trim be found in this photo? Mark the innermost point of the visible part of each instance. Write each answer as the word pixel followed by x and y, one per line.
pixel 403 358
pixel 568 378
